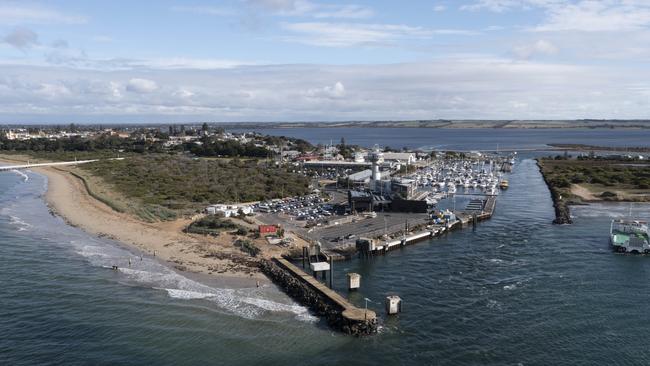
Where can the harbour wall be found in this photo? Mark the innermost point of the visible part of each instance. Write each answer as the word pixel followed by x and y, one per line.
pixel 323 301
pixel 562 212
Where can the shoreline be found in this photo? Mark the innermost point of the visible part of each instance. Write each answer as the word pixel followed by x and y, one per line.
pixel 583 197
pixel 193 255
pixel 561 207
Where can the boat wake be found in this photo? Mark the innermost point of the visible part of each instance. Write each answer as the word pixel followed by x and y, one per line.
pixel 611 210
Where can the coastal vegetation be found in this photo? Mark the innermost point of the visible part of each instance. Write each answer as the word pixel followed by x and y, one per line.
pixel 214 225
pixel 584 147
pixel 580 180
pixel 247 246
pixel 78 144
pixel 181 183
pixel 143 141
pixel 165 175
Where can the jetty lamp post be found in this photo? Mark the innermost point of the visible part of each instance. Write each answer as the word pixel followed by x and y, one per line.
pixel 365 313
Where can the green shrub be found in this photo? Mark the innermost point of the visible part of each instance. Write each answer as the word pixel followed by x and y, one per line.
pixel 212 225
pixel 248 247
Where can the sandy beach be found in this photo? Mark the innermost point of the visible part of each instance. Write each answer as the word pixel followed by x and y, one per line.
pixel 67 197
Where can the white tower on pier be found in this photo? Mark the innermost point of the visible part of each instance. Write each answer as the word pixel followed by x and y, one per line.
pixel 376 157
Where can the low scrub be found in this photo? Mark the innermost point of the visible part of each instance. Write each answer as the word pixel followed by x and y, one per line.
pixel 247 246
pixel 181 183
pixel 213 225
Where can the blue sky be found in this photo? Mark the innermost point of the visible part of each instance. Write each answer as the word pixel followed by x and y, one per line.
pixel 312 60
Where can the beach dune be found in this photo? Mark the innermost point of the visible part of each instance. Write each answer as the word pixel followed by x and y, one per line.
pixel 67 197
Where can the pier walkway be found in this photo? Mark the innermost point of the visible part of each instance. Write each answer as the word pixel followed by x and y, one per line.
pixel 349 312
pixel 463 219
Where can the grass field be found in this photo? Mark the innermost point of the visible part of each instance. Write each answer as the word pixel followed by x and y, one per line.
pixel 608 180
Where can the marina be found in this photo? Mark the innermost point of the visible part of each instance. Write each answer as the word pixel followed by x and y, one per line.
pixel 453 287
pixel 389 206
pixel 325 182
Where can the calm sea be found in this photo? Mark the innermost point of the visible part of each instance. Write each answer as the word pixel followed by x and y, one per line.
pixel 465 139
pixel 517 290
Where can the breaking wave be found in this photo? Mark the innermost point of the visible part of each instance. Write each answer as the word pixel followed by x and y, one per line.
pixel 28 211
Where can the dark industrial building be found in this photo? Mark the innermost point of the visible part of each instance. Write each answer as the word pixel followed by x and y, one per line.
pixel 365 201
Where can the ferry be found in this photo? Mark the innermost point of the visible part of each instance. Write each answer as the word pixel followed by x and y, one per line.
pixel 629 236
pixel 503 184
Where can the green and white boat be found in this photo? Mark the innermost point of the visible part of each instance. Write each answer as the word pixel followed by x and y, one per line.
pixel 630 236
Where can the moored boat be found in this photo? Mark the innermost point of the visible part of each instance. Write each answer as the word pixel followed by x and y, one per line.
pixel 629 236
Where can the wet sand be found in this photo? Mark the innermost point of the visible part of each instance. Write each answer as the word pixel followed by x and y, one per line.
pixel 67 197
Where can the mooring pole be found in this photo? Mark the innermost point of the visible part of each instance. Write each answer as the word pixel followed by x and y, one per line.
pixel 331 273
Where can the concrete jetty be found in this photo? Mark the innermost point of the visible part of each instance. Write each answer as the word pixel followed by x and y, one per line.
pixel 307 290
pixel 369 247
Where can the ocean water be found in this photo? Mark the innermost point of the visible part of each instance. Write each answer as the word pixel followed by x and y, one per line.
pixel 61 304
pixel 515 291
pixel 464 139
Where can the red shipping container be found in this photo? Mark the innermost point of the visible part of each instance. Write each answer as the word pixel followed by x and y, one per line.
pixel 268 229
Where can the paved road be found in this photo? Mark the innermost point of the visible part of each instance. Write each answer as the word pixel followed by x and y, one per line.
pixel 384 222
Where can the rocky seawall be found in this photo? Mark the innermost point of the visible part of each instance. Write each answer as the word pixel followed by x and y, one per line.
pixel 305 294
pixel 561 206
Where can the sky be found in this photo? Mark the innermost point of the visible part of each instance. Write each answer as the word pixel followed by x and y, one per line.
pixel 314 60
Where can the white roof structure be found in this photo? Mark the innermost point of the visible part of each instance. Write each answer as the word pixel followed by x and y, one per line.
pixel 405 157
pixel 319 266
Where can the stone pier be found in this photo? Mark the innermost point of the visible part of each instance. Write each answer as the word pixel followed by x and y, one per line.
pixel 308 291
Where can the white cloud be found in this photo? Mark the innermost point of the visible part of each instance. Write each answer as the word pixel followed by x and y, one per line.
pixel 597 16
pixel 138 85
pixel 78 59
pixel 540 47
pixel 183 93
pixel 13 13
pixel 508 5
pixel 439 8
pixel 577 15
pixel 312 9
pixel 53 90
pixel 358 34
pixel 189 63
pixel 333 92
pixel 446 88
pixel 203 10
pixel 21 38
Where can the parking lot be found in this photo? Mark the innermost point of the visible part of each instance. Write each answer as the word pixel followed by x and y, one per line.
pixel 312 217
pixel 346 234
pixel 305 208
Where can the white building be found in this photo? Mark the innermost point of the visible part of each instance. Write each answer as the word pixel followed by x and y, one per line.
pixel 400 157
pixel 228 210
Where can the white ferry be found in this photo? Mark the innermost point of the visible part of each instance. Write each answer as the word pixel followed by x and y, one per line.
pixel 629 236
